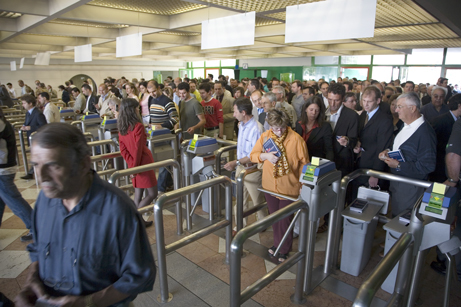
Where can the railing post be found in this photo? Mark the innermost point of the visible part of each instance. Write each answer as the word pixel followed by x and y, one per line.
pixel 298 296
pixel 23 150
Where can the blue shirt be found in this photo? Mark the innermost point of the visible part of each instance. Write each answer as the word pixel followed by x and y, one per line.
pixel 249 134
pixel 370 114
pixel 101 242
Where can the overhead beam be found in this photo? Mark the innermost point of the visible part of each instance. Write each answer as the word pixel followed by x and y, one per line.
pixel 32 7
pixel 91 13
pixel 447 11
pixel 27 23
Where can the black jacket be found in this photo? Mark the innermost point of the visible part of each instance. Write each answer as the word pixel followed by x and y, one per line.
pixel 375 137
pixel 319 143
pixel 34 120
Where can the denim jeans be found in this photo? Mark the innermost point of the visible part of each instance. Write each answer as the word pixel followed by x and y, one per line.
pixel 164 179
pixel 9 194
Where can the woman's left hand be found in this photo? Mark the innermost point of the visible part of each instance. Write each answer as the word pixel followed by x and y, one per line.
pixel 270 156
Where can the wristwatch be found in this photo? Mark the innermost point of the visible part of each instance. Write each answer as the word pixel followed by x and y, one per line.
pixel 238 163
pixel 398 167
pixel 453 181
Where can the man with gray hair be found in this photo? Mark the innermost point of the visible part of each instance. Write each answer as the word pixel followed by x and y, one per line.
pixel 437 106
pixel 417 143
pixel 283 105
pixel 269 101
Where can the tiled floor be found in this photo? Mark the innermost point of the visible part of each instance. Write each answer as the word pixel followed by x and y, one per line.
pixel 198 275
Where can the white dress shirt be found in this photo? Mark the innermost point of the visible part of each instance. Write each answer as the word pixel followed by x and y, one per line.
pixel 333 118
pixel 406 132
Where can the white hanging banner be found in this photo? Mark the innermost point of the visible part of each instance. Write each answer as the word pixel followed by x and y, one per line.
pixel 83 53
pixel 43 58
pixel 21 64
pixel 330 20
pixel 129 45
pixel 13 65
pixel 231 31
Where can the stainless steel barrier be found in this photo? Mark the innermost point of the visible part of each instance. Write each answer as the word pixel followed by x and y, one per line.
pixel 78 123
pixel 217 170
pixel 345 182
pixel 153 166
pixel 88 136
pixel 102 144
pixel 410 258
pixel 371 285
pixel 104 158
pixel 23 150
pixel 236 296
pixel 240 186
pixel 163 249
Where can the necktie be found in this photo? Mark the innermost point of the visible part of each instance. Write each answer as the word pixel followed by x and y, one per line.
pixel 366 120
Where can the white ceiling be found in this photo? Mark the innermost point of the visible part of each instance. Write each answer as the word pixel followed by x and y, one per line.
pixel 172 29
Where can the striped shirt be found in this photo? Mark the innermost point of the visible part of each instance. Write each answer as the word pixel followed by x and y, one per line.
pixel 163 112
pixel 249 134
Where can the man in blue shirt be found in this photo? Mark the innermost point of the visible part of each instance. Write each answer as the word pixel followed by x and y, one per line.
pixel 250 131
pixel 90 245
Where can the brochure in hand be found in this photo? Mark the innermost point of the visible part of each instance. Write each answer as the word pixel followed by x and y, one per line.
pixel 397 155
pixel 359 205
pixel 270 146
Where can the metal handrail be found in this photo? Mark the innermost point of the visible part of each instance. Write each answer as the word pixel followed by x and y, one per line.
pixel 153 166
pixel 226 142
pixel 102 144
pixel 236 296
pixel 239 183
pixel 342 198
pixel 371 285
pixel 78 123
pixel 106 156
pixel 163 249
pixel 218 155
pixel 23 150
pixel 278 194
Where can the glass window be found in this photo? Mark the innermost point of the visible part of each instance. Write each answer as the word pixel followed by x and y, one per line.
pixel 422 74
pixel 382 73
pixel 453 56
pixel 199 73
pixel 326 60
pixel 198 64
pixel 228 72
pixel 228 62
pixel 454 77
pixel 389 59
pixel 356 59
pixel 361 73
pixel 212 63
pixel 316 73
pixel 433 56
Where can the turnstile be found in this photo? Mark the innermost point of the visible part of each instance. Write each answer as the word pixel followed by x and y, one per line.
pixel 199 160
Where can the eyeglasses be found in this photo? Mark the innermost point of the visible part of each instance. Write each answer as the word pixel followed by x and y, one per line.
pixel 281 129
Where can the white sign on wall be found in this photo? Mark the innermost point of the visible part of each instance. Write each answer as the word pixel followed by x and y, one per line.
pixel 13 65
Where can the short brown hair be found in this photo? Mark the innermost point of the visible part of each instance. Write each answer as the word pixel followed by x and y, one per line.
pixel 29 99
pixel 277 118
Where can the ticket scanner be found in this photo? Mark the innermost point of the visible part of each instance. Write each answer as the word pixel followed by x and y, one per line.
pixel 162 144
pixel 199 166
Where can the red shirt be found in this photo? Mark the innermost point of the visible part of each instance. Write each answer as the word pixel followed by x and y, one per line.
pixel 213 113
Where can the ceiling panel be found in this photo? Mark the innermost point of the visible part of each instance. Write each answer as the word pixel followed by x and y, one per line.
pixel 160 7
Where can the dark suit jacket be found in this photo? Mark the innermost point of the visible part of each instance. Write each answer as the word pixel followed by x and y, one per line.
pixel 92 102
pixel 347 125
pixel 425 100
pixel 385 107
pixel 34 120
pixel 375 137
pixel 5 99
pixel 443 125
pixel 262 118
pixel 319 143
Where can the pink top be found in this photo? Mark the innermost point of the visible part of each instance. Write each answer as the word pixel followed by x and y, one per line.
pixel 145 105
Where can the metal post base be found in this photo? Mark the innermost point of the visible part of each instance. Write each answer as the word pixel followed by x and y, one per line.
pixel 318 276
pixel 298 302
pixel 170 297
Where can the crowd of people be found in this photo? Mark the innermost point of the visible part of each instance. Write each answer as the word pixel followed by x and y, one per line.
pixel 351 122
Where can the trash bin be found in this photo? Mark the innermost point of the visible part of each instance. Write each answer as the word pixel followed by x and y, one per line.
pixel 394 230
pixel 358 234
